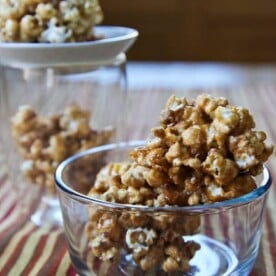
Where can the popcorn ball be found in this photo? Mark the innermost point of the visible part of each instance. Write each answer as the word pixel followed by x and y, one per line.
pixel 203 151
pixel 51 21
pixel 44 141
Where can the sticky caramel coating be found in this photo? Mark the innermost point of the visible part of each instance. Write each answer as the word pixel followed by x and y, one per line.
pixel 150 239
pixel 45 141
pixel 49 20
pixel 203 151
pixel 205 142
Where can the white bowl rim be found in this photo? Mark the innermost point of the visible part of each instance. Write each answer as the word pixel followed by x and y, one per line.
pixel 116 40
pixel 128 33
pixel 204 208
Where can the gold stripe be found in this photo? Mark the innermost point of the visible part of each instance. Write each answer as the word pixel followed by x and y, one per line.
pixel 103 269
pixel 64 265
pixel 26 254
pixel 6 254
pixel 46 252
pixel 267 260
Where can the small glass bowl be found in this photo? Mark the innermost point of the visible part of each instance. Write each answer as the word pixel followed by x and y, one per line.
pixel 223 237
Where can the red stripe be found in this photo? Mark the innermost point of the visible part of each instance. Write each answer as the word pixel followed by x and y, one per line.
pixel 13 227
pixel 9 211
pixel 224 219
pixel 17 251
pixel 18 221
pixel 5 192
pixel 96 265
pixel 236 233
pixel 113 270
pixel 57 259
pixel 71 271
pixel 58 249
pixel 37 252
pixel 208 228
pixel 2 179
pixel 258 268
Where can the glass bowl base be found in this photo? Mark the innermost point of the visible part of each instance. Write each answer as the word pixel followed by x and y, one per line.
pixel 213 258
pixel 48 214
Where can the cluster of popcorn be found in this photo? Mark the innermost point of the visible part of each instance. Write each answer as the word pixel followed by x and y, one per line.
pixel 204 151
pixel 48 20
pixel 151 240
pixel 45 141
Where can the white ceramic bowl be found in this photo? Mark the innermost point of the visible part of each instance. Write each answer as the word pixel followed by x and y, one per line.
pixel 115 40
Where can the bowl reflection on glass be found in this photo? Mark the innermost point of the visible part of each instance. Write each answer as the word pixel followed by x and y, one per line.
pixel 103 237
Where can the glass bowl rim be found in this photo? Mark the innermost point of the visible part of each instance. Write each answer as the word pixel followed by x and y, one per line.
pixel 217 206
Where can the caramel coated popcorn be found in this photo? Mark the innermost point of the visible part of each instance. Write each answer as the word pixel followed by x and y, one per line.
pixel 203 151
pixel 202 148
pixel 44 141
pixel 48 20
pixel 150 240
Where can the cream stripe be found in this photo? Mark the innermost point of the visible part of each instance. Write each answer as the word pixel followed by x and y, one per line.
pixel 103 269
pixel 64 265
pixel 5 187
pixel 215 224
pixel 46 253
pixel 6 204
pixel 10 220
pixel 3 171
pixel 268 261
pixel 13 243
pixel 271 199
pixel 270 205
pixel 26 254
pixel 267 126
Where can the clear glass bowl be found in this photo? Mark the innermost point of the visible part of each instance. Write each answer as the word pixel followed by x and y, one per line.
pixel 228 233
pixel 75 106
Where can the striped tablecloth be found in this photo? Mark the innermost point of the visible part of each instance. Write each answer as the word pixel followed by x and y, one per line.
pixel 28 250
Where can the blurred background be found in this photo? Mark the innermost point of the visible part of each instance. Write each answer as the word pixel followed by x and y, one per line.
pixel 199 30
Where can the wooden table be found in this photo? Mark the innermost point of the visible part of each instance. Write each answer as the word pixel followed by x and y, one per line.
pixel 28 250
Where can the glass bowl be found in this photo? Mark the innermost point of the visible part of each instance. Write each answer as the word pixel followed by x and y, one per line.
pixel 50 113
pixel 104 237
